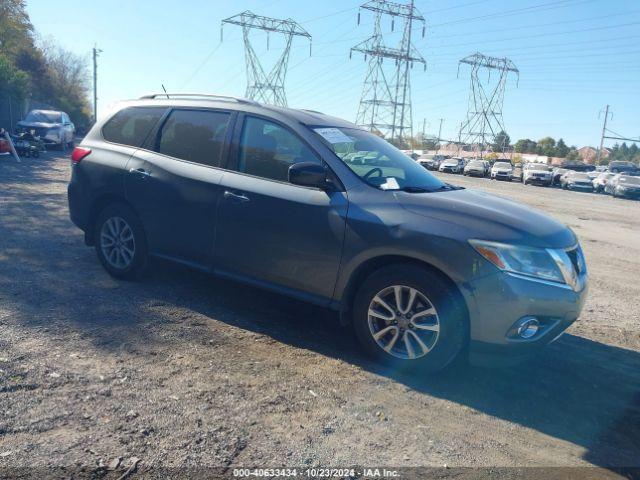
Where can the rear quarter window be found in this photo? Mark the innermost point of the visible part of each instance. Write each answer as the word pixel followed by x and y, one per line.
pixel 131 126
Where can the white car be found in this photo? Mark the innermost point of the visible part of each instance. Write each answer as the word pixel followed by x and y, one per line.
pixel 452 165
pixel 53 127
pixel 501 171
pixel 600 182
pixel 537 173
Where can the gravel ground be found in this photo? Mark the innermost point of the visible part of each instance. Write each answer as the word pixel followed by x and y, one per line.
pixel 184 370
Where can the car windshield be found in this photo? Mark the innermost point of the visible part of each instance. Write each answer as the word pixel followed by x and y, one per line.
pixel 377 162
pixel 476 163
pixel 502 165
pixel 630 180
pixel 43 117
pixel 452 161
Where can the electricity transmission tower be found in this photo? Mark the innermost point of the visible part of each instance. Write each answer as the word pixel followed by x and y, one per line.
pixel 385 105
pixel 611 135
pixel 484 114
pixel 263 87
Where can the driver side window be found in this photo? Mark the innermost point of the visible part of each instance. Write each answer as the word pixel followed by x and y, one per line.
pixel 267 150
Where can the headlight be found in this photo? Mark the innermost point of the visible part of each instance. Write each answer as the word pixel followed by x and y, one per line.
pixel 540 263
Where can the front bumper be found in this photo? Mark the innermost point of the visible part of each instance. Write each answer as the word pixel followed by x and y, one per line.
pixel 577 186
pixel 539 180
pixel 628 193
pixel 499 300
pixel 501 176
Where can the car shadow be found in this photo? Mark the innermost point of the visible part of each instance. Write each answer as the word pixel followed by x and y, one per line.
pixel 578 390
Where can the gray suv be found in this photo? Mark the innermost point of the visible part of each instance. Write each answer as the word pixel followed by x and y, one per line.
pixel 319 209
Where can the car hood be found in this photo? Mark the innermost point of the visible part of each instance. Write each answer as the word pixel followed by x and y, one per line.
pixel 470 214
pixel 38 124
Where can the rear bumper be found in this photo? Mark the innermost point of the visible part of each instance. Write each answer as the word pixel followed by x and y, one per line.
pixel 78 213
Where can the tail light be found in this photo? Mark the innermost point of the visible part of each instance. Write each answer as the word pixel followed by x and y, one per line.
pixel 78 154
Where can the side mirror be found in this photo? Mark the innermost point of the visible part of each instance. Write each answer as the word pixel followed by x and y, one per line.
pixel 309 174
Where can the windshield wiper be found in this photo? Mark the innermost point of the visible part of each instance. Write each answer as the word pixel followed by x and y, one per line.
pixel 412 189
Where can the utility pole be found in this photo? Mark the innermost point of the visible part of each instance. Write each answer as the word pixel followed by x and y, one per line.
pixel 96 52
pixel 604 130
pixel 439 135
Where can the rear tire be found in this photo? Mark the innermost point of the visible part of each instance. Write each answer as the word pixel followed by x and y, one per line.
pixel 120 242
pixel 444 333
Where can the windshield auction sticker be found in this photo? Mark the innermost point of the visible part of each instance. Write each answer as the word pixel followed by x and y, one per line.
pixel 333 135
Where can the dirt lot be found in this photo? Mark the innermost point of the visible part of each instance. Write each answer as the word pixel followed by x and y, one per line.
pixel 180 369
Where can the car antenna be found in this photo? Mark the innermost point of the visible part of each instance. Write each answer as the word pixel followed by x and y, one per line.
pixel 165 90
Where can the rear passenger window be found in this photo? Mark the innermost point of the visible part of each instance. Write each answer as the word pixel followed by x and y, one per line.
pixel 132 125
pixel 194 135
pixel 268 150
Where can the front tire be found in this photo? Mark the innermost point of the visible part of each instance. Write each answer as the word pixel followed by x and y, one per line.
pixel 408 316
pixel 121 244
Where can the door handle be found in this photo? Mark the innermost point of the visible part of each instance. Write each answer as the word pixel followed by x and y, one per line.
pixel 238 197
pixel 140 171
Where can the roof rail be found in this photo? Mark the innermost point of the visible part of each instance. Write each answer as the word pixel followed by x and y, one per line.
pixel 153 96
pixel 311 111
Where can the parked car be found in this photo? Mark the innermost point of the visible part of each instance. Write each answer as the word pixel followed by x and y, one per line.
pixel 578 166
pixel 53 127
pixel 557 173
pixel 501 171
pixel 620 166
pixel 537 174
pixel 432 162
pixel 261 194
pixel 576 181
pixel 452 165
pixel 623 185
pixel 601 181
pixel 475 168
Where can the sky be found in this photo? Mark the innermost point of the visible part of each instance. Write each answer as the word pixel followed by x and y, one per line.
pixel 574 56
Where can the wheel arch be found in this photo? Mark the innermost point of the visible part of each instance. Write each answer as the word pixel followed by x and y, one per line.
pixel 98 205
pixel 373 264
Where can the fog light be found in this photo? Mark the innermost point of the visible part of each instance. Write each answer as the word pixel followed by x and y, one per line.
pixel 528 327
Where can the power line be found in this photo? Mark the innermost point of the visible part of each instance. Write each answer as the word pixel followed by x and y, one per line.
pixel 201 66
pixel 517 11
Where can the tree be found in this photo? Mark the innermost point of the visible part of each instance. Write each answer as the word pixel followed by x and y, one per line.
pixel 43 72
pixel 13 82
pixel 501 141
pixel 546 147
pixel 573 154
pixel 525 146
pixel 561 149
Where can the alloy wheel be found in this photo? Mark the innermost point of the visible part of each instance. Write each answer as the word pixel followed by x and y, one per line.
pixel 117 242
pixel 403 322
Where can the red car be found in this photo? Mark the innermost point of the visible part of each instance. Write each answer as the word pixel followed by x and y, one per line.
pixel 4 147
